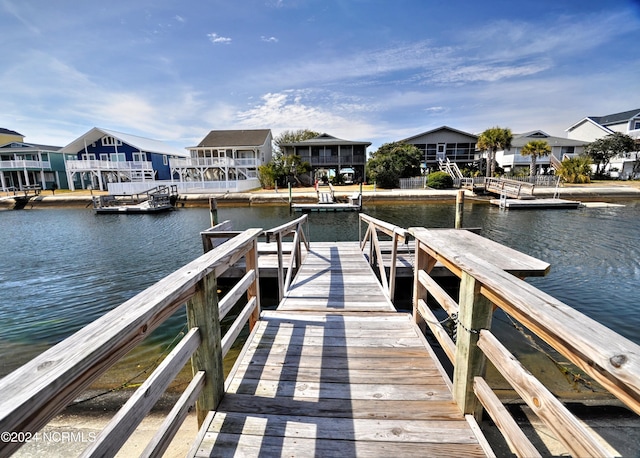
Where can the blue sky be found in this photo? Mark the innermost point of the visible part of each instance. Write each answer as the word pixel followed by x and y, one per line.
pixel 372 70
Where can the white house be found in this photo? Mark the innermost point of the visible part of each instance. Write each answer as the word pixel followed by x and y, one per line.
pixel 561 148
pixel 595 127
pixel 225 160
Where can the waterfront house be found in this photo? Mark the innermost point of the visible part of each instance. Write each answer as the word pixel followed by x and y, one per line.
pixel 225 160
pixel 561 148
pixel 595 127
pixel 329 155
pixel 25 165
pixel 444 143
pixel 122 163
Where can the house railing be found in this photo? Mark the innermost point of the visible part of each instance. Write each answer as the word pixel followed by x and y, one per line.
pixel 610 359
pixel 546 181
pixel 212 162
pixel 36 392
pixel 293 229
pixel 24 164
pixel 94 165
pixel 374 228
pixel 356 159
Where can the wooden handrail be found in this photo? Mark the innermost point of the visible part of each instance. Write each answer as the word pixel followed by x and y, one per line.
pixel 397 234
pixel 609 358
pixel 36 392
pixel 295 228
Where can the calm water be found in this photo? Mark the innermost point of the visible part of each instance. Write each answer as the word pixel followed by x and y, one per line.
pixel 62 268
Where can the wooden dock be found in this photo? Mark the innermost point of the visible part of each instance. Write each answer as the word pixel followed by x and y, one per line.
pixel 547 203
pixel 336 371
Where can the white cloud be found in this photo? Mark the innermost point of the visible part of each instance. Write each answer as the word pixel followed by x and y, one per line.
pixel 269 39
pixel 215 38
pixel 292 110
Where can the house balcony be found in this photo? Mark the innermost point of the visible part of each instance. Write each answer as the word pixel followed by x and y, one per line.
pixel 203 162
pixel 25 165
pixel 335 160
pixel 457 157
pixel 107 166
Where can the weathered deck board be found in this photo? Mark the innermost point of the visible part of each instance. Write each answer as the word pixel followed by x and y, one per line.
pixel 336 371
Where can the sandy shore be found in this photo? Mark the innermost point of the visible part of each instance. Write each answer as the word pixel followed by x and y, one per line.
pixel 69 433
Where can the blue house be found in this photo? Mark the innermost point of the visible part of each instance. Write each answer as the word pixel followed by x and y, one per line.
pixel 105 159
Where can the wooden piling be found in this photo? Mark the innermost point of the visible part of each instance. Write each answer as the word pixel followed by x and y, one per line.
pixel 459 208
pixel 202 313
pixel 213 210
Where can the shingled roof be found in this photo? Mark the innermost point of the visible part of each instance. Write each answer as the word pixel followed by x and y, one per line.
pixel 615 118
pixel 224 138
pixel 9 132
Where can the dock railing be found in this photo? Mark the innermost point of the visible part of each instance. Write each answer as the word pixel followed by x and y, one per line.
pixel 293 229
pixel 510 188
pixel 610 359
pixel 158 196
pixel 375 227
pixel 36 392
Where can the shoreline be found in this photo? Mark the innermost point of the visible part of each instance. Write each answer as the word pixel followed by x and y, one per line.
pixel 80 199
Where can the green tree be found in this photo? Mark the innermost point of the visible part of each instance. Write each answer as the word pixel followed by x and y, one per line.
pixel 293 136
pixel 283 167
pixel 492 140
pixel 267 176
pixel 604 149
pixel 535 149
pixel 393 161
pixel 575 170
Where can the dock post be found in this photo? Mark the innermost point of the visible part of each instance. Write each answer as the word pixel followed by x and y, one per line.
pixel 475 313
pixel 459 208
pixel 290 196
pixel 213 210
pixel 202 312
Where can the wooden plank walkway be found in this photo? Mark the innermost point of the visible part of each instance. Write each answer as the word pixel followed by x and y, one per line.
pixel 336 371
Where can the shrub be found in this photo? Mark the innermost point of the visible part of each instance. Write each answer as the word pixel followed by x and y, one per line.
pixel 439 180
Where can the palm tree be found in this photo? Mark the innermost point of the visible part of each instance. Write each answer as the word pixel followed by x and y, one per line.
pixel 492 140
pixel 576 170
pixel 535 149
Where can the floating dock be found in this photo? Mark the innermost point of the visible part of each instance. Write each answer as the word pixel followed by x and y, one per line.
pixel 327 203
pixel 549 203
pixel 155 200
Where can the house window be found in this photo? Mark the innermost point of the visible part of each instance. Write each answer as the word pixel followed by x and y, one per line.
pixel 108 140
pixel 104 157
pixel 139 157
pixel 88 157
pixel 165 160
pixel 117 157
pixel 636 125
